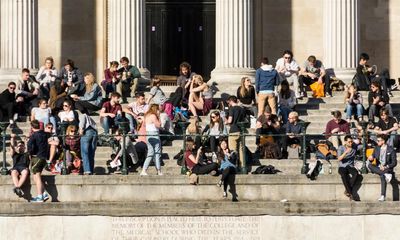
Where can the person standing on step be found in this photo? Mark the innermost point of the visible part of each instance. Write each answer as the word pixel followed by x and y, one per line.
pixel 88 133
pixel 153 124
pixel 312 71
pixel 38 149
pixel 288 70
pixel 129 79
pixel 20 170
pixel 382 162
pixel 348 173
pixel 267 78
pixel 236 114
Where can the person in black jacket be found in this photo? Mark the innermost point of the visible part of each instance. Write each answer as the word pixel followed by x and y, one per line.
pixel 8 103
pixel 382 162
pixel 377 99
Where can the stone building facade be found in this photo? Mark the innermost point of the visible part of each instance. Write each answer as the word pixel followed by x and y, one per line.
pixel 89 32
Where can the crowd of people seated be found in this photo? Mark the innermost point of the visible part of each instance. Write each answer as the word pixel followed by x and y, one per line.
pixel 68 99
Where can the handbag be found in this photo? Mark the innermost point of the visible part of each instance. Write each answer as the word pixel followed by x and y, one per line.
pixel 317 89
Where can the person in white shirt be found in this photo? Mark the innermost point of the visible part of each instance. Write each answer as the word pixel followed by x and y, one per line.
pixel 288 69
pixel 136 109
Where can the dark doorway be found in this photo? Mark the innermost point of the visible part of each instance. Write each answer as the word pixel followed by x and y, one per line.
pixel 179 30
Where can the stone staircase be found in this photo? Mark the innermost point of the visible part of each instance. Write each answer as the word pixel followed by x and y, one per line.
pixel 171 193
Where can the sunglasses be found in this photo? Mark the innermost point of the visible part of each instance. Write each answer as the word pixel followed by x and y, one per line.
pixel 288 57
pixel 65 105
pixel 11 88
pixel 214 116
pixel 49 127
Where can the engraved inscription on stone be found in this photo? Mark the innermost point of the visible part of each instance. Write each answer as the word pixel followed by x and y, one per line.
pixel 185 228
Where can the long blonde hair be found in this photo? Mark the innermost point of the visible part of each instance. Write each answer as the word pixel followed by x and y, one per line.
pixel 199 78
pixel 92 80
pixel 243 89
pixel 153 109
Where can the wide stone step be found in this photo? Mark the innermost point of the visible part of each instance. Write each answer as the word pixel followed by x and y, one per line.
pixel 198 208
pixel 171 188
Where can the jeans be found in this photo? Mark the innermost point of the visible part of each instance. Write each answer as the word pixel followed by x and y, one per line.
pixel 351 109
pixel 108 122
pixel 153 150
pixel 132 122
pixel 88 148
pixel 284 112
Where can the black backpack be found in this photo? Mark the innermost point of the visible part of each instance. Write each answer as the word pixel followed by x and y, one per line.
pixel 265 170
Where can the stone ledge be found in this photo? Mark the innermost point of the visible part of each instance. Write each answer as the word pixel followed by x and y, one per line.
pixel 217 208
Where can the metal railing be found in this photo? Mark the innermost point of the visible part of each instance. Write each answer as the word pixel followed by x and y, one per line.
pixel 183 125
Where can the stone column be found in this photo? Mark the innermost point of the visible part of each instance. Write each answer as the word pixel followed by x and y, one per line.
pixel 19 39
pixel 126 32
pixel 234 43
pixel 341 36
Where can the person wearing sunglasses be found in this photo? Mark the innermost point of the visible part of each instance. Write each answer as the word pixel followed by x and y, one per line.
pixel 288 69
pixel 8 103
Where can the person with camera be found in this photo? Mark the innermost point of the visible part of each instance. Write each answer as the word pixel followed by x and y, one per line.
pixel 382 162
pixel 195 160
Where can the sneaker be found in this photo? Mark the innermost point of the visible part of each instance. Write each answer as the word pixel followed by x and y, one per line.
pixel 159 173
pixel 45 196
pixel 38 198
pixel 143 173
pixel 219 184
pixel 20 193
pixel 224 195
pixel 388 177
pixel 381 199
pixel 394 87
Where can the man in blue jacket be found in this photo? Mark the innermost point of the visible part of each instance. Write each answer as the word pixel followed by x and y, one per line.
pixel 266 80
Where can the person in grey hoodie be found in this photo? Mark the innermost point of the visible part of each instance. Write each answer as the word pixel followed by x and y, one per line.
pixel 266 80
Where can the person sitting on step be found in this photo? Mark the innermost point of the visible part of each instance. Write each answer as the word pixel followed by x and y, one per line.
pixel 200 96
pixel 382 162
pixel 388 126
pixel 312 71
pixel 293 129
pixel 354 100
pixel 336 129
pixel 195 161
pixel 20 169
pixel 377 99
pixel 227 159
pixel 346 156
pixel 110 113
